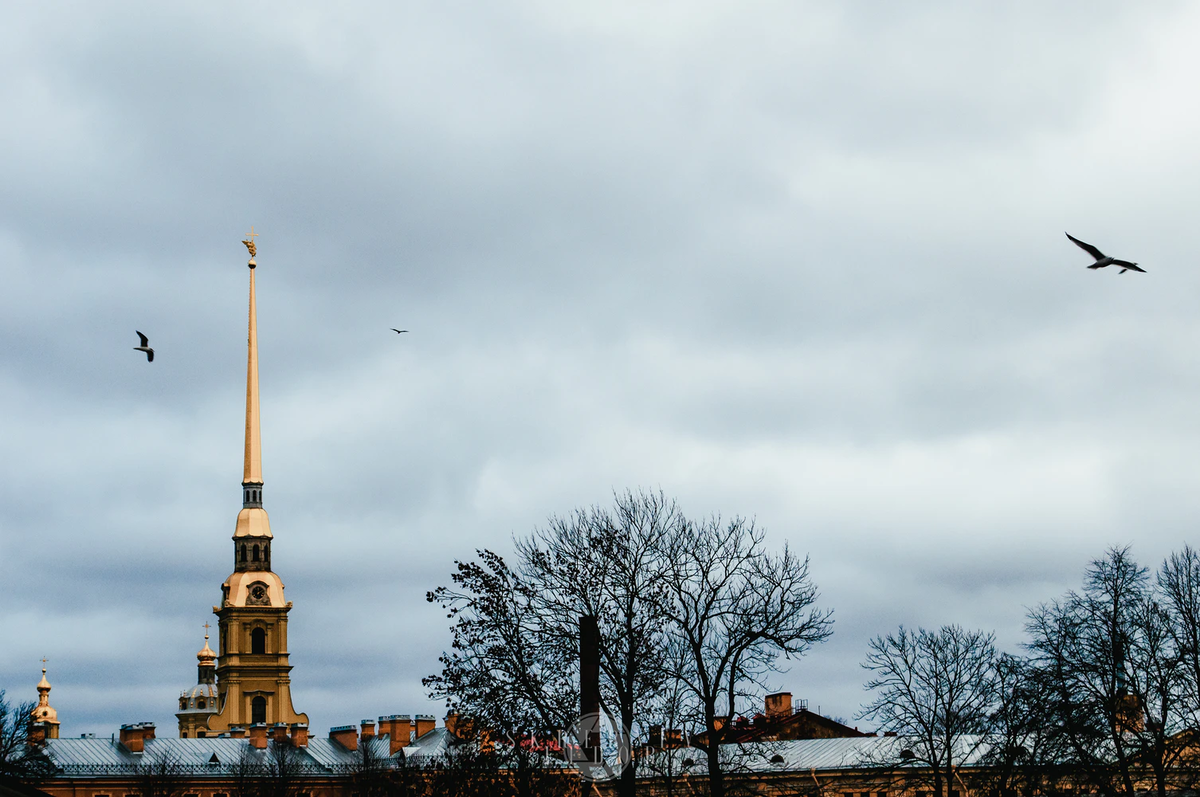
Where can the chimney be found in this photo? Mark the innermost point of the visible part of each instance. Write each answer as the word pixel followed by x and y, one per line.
pixel 589 687
pixel 279 732
pixel 779 705
pixel 300 734
pixel 456 724
pixel 147 730
pixel 258 735
pixel 368 730
pixel 133 737
pixel 672 738
pixel 425 723
pixel 345 735
pixel 397 727
pixel 655 737
pixel 237 731
pixel 37 734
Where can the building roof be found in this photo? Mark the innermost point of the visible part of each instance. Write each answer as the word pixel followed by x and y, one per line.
pixel 804 755
pixel 90 757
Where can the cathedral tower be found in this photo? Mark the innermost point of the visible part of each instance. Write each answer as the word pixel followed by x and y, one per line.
pixel 253 678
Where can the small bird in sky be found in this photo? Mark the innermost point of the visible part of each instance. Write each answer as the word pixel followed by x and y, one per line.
pixel 398 331
pixel 145 347
pixel 1102 259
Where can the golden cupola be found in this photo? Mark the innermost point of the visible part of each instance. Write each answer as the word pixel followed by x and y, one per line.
pixel 43 713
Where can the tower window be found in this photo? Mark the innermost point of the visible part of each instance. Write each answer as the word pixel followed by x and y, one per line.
pixel 258 707
pixel 254 554
pixel 200 703
pixel 243 552
pixel 258 642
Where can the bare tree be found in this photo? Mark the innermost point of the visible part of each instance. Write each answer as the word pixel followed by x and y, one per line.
pixel 277 771
pixel 371 774
pixel 20 759
pixel 506 671
pixel 160 774
pixel 936 690
pixel 1108 658
pixel 735 610
pixel 1179 587
pixel 611 565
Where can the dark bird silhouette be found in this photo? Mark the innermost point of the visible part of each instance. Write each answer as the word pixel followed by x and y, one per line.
pixel 398 331
pixel 145 347
pixel 1102 259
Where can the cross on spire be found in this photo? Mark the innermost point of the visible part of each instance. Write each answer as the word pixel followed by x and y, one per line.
pixel 44 660
pixel 206 627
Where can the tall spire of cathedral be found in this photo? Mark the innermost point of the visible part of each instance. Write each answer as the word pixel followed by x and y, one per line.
pixel 252 670
pixel 252 473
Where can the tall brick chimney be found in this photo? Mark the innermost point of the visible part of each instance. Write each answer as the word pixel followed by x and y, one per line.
pixel 345 735
pixel 134 736
pixel 368 730
pixel 300 734
pixel 258 735
pixel 425 723
pixel 397 727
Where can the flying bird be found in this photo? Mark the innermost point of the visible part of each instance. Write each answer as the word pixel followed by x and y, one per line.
pixel 398 331
pixel 145 347
pixel 1102 259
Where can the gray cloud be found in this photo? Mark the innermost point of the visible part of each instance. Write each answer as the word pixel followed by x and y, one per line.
pixel 801 262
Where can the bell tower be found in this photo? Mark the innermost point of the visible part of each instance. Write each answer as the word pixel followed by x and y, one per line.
pixel 253 680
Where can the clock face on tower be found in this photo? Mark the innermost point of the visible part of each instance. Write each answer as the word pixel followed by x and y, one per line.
pixel 258 595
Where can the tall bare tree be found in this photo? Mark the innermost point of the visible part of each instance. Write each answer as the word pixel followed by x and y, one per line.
pixel 506 670
pixel 936 690
pixel 1110 659
pixel 735 610
pixel 610 564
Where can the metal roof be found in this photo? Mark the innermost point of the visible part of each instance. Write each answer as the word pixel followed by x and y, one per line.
pixel 803 755
pixel 88 757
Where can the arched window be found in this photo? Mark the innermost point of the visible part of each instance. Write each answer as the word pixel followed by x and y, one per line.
pixel 254 554
pixel 183 704
pixel 258 641
pixel 243 552
pixel 258 706
pixel 200 703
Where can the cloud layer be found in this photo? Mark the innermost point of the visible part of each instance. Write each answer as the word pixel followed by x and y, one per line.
pixel 798 261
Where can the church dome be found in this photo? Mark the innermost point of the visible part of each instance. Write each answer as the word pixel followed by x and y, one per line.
pixel 201 697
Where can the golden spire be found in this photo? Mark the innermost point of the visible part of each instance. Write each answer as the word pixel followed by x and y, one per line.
pixel 252 474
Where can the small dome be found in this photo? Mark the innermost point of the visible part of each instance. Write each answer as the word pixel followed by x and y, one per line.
pixel 200 698
pixel 43 712
pixel 206 653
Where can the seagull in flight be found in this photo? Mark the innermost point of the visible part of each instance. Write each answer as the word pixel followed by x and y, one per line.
pixel 145 347
pixel 398 331
pixel 1102 259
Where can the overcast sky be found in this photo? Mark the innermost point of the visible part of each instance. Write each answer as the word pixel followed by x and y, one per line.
pixel 797 261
